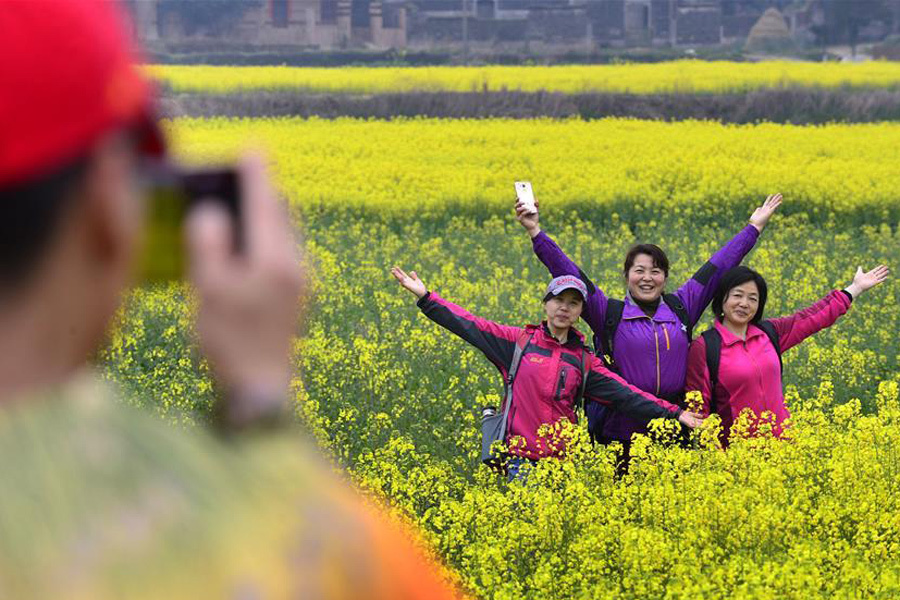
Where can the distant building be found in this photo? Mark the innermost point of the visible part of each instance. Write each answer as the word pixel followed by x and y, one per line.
pixel 324 24
pixel 567 22
pixel 656 22
pixel 504 22
pixel 804 18
pixel 497 24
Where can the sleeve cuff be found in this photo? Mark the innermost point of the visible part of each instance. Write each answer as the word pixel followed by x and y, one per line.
pixel 848 294
pixel 539 238
pixel 424 299
pixel 678 413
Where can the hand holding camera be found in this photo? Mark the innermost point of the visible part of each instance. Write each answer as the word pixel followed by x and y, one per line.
pixel 249 300
pixel 527 208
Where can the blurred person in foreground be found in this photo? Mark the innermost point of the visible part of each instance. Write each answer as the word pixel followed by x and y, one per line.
pixel 105 501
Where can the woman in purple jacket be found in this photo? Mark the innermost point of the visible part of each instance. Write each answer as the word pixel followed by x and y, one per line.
pixel 551 369
pixel 645 337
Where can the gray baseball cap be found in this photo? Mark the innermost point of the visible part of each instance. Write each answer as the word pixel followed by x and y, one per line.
pixel 566 282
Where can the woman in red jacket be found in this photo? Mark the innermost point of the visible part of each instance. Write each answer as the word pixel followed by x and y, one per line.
pixel 550 372
pixel 736 365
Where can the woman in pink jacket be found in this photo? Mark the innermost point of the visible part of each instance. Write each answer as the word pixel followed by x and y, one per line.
pixel 737 363
pixel 552 367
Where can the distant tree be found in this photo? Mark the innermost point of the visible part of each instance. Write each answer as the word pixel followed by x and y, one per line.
pixel 845 18
pixel 206 16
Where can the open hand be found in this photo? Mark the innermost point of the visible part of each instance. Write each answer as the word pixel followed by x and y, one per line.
pixel 691 419
pixel 760 217
pixel 410 281
pixel 529 220
pixel 866 281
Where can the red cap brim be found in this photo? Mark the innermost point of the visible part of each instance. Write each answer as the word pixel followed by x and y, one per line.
pixel 151 141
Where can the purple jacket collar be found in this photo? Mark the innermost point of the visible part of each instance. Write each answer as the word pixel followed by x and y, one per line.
pixel 663 313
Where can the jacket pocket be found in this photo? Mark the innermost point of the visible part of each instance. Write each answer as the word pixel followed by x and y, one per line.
pixel 567 384
pixel 560 384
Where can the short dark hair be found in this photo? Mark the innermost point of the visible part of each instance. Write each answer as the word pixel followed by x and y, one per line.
pixel 655 252
pixel 733 278
pixel 31 212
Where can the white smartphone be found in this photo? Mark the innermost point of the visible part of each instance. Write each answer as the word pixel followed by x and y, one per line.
pixel 525 195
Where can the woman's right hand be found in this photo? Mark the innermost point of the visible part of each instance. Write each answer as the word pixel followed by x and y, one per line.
pixel 410 281
pixel 690 419
pixel 528 220
pixel 760 217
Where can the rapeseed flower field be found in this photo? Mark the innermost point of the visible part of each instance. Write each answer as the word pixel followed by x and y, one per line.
pixel 440 167
pixel 682 76
pixel 397 401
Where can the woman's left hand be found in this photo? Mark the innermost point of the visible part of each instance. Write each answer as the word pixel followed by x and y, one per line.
pixel 866 281
pixel 691 419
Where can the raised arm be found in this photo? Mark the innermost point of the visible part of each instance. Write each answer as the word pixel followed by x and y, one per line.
pixel 797 327
pixel 556 261
pixel 606 387
pixel 697 293
pixel 698 374
pixel 497 342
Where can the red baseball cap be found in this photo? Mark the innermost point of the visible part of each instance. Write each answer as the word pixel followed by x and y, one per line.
pixel 69 76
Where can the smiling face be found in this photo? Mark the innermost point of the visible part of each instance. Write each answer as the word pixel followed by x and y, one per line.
pixel 564 309
pixel 741 304
pixel 646 281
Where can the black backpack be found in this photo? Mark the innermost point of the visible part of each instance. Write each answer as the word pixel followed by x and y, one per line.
pixel 713 341
pixel 614 309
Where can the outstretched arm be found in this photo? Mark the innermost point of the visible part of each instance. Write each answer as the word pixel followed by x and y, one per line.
pixel 797 327
pixel 559 264
pixel 606 387
pixel 697 293
pixel 497 342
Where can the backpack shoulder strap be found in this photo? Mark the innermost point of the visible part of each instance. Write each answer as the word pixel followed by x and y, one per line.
pixel 769 329
pixel 585 370
pixel 591 288
pixel 614 310
pixel 521 344
pixel 677 306
pixel 713 341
